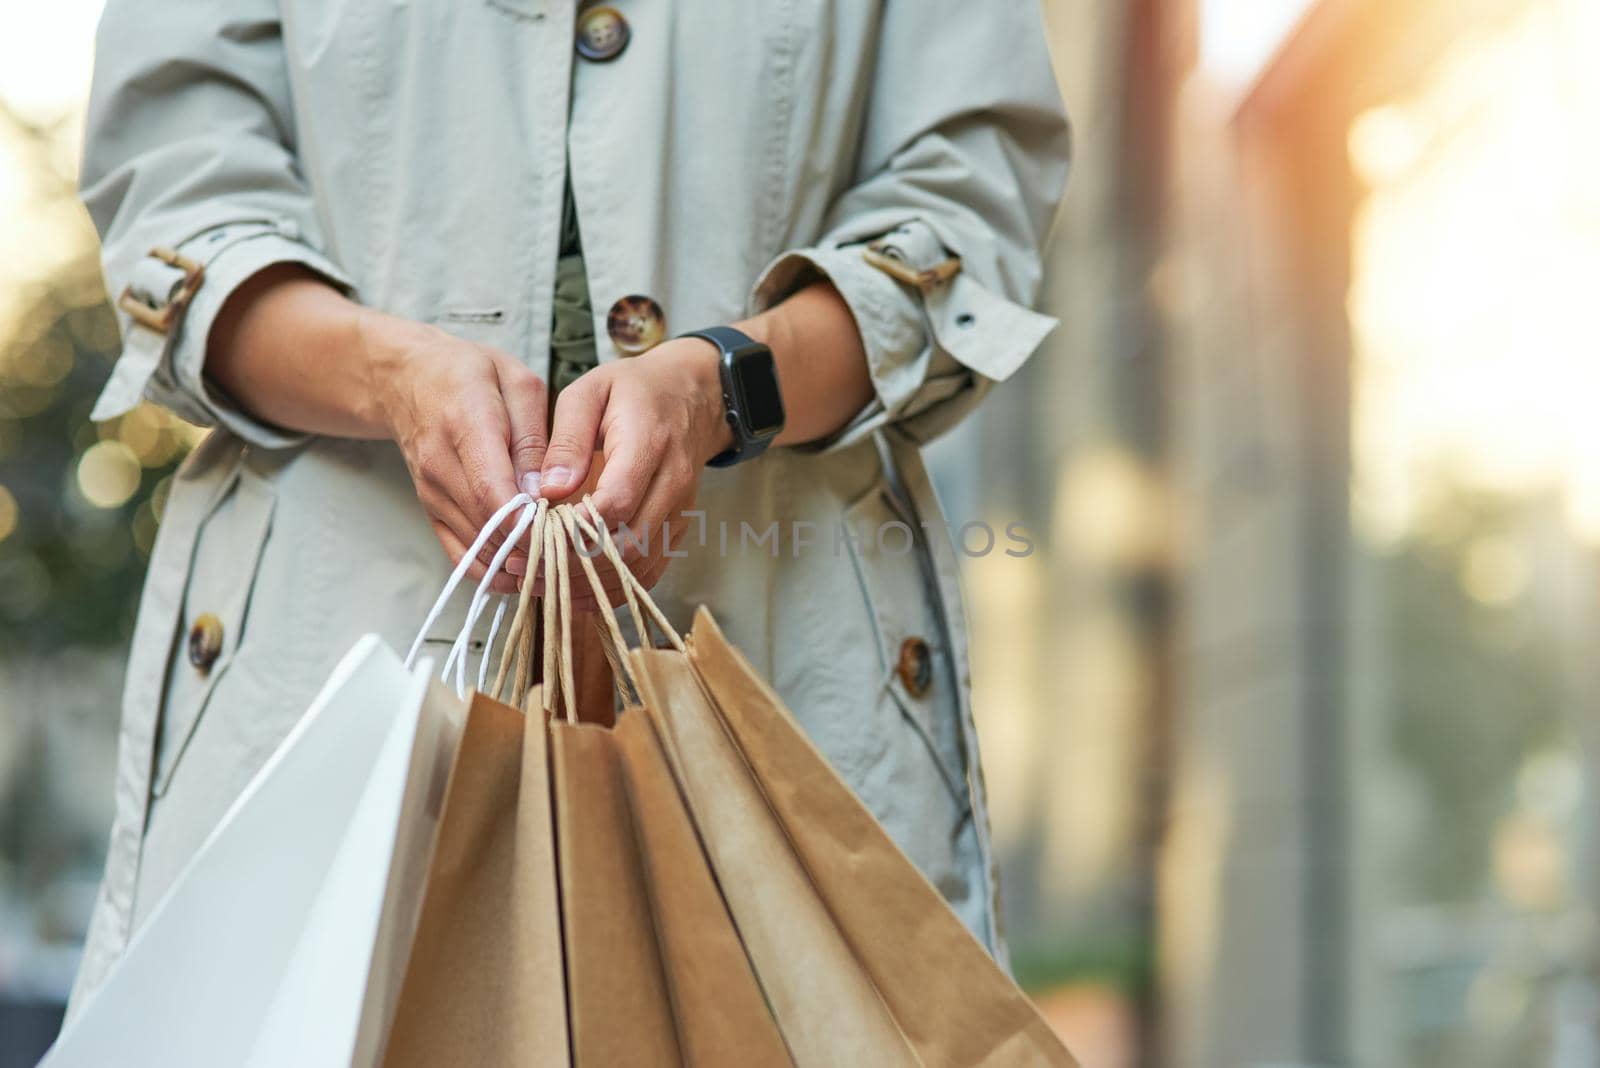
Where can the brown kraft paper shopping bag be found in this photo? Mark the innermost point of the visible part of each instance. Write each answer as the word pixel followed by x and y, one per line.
pixel 825 1005
pixel 723 1019
pixel 617 998
pixel 647 930
pixel 954 1004
pixel 483 983
pixel 618 1006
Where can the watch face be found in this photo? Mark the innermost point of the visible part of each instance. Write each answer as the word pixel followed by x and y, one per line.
pixel 759 400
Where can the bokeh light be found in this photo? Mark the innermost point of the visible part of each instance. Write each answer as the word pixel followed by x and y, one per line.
pixel 8 513
pixel 1495 571
pixel 108 474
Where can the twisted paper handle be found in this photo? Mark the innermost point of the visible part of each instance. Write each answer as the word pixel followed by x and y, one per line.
pixel 550 530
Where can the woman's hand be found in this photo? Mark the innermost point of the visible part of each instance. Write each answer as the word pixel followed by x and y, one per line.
pixel 470 421
pixel 655 421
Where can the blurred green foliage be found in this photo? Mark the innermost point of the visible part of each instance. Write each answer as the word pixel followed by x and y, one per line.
pixel 79 501
pixel 1477 687
pixel 1113 961
pixel 71 567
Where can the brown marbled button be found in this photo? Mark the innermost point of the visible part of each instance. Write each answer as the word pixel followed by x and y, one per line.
pixel 602 34
pixel 916 666
pixel 205 642
pixel 636 324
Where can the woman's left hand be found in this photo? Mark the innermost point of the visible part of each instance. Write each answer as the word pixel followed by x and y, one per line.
pixel 654 420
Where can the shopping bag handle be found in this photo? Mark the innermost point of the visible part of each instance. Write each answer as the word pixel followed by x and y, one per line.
pixel 549 530
pixel 461 569
pixel 547 541
pixel 611 631
pixel 558 679
pixel 634 589
pixel 519 637
pixel 533 512
pixel 578 529
pixel 558 603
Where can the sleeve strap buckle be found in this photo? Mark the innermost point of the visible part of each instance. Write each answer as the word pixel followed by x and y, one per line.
pixel 911 254
pixel 161 316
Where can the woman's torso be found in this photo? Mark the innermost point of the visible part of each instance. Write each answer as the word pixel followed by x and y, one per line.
pixel 432 135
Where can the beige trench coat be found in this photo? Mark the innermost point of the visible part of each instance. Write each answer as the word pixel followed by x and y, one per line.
pixel 414 151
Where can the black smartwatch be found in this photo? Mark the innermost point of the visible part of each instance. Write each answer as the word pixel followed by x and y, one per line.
pixel 751 401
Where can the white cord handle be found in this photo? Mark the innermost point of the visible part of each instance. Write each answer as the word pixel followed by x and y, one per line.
pixel 488 646
pixel 458 651
pixel 461 571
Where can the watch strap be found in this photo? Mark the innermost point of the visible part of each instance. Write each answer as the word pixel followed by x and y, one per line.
pixel 727 340
pixel 738 455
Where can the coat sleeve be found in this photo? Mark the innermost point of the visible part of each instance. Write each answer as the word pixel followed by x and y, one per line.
pixel 190 148
pixel 964 152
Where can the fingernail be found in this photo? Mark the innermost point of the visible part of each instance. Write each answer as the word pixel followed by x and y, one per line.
pixel 530 484
pixel 555 477
pixel 517 566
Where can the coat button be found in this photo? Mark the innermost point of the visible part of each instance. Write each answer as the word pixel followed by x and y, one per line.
pixel 205 642
pixel 636 324
pixel 916 666
pixel 602 34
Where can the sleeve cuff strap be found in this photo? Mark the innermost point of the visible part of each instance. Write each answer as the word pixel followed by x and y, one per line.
pixel 170 368
pixel 979 328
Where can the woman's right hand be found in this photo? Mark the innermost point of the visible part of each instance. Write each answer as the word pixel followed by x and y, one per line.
pixel 471 420
pixel 471 423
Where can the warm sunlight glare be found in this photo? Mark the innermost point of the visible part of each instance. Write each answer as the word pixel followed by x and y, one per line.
pixel 45 54
pixel 1477 258
pixel 1239 37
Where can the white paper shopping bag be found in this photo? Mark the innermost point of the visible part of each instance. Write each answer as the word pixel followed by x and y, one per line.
pixel 277 944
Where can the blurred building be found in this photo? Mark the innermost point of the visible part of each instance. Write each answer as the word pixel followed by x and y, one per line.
pixel 1291 720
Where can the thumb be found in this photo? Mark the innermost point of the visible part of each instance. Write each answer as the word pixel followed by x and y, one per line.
pixel 573 431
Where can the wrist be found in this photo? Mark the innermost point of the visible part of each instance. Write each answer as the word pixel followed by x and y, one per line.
pixel 701 362
pixel 387 345
pixel 747 382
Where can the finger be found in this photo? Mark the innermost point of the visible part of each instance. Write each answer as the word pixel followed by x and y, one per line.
pixel 573 433
pixel 647 569
pixel 437 473
pixel 437 503
pixel 671 486
pixel 525 401
pixel 650 570
pixel 654 572
pixel 438 506
pixel 632 460
pixel 583 596
pixel 582 591
pixel 480 436
pixel 586 601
